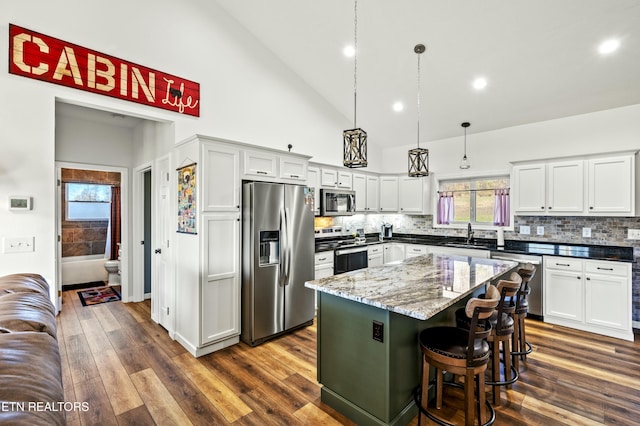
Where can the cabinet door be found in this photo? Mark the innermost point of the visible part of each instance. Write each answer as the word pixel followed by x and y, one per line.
pixel 323 271
pixel 345 180
pixel 329 178
pixel 221 180
pixel 529 188
pixel 220 293
pixel 565 183
pixel 607 301
pixel 293 168
pixel 410 194
pixel 375 260
pixel 610 185
pixel 373 191
pixel 563 295
pixel 313 181
pixel 388 194
pixel 260 164
pixel 360 186
pixel 393 252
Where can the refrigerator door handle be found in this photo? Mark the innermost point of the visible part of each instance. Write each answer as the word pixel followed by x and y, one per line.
pixel 282 279
pixel 289 242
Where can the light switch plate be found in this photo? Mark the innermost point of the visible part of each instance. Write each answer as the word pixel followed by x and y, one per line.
pixel 586 232
pixel 540 230
pixel 525 230
pixel 633 234
pixel 17 244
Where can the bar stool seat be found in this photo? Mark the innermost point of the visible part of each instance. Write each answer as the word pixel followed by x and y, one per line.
pixel 460 352
pixel 522 348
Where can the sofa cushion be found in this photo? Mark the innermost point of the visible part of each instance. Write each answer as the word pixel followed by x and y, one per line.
pixel 23 283
pixel 27 312
pixel 30 373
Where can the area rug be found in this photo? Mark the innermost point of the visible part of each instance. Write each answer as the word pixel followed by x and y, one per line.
pixel 94 296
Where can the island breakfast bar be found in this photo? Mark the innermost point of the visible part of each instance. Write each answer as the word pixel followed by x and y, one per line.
pixel 368 325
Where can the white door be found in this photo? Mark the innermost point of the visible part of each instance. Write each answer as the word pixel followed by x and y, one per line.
pixel 529 188
pixel 563 295
pixel 610 185
pixel 360 186
pixel 160 263
pixel 565 182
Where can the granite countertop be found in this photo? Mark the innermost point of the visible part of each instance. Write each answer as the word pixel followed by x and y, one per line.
pixel 419 287
pixel 595 252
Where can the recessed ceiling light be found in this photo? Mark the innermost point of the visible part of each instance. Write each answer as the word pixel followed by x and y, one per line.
pixel 349 51
pixel 608 46
pixel 398 106
pixel 480 83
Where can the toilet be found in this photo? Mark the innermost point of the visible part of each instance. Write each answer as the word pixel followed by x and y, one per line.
pixel 113 268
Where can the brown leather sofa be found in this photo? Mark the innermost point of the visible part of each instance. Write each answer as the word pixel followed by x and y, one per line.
pixel 30 369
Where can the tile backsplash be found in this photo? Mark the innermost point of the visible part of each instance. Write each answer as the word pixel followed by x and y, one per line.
pixel 610 231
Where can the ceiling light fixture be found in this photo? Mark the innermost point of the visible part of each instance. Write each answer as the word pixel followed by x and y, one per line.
pixel 349 51
pixel 479 83
pixel 398 106
pixel 419 157
pixel 608 46
pixel 464 164
pixel 355 140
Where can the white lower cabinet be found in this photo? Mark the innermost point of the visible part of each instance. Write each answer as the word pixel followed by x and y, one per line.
pixel 393 252
pixel 375 255
pixel 323 265
pixel 590 295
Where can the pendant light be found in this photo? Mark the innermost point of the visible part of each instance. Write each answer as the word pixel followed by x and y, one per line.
pixel 464 164
pixel 355 140
pixel 419 157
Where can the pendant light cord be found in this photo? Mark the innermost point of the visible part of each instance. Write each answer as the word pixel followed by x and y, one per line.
pixel 418 100
pixel 355 64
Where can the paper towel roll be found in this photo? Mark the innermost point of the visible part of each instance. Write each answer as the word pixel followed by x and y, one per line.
pixel 500 237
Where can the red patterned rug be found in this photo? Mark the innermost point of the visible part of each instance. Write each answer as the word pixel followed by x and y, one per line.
pixel 93 296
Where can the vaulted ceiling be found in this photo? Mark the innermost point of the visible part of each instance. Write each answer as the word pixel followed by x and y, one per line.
pixel 539 58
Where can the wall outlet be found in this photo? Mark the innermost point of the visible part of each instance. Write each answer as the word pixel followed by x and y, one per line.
pixel 540 230
pixel 633 234
pixel 525 230
pixel 586 232
pixel 378 331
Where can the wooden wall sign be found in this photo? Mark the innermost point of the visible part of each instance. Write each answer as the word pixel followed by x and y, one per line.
pixel 45 58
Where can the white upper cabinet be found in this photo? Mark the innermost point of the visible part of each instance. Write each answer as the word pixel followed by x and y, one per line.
pixel 388 194
pixel 591 185
pixel 413 195
pixel 610 186
pixel 262 164
pixel 565 187
pixel 367 190
pixel 529 188
pixel 333 178
pixel 293 168
pixel 221 170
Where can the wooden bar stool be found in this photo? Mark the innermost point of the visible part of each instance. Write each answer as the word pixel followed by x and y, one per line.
pixel 521 348
pixel 502 329
pixel 460 352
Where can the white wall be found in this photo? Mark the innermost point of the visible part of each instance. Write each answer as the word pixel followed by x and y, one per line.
pixel 605 131
pixel 246 95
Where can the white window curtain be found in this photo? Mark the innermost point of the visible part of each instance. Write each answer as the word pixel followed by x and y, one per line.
pixel 445 208
pixel 501 214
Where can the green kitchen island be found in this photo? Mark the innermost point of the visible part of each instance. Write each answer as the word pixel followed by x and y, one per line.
pixel 368 325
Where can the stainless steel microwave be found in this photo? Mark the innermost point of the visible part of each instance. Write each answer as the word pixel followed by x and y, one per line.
pixel 337 202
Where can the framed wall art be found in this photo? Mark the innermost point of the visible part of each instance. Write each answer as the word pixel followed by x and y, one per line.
pixel 187 199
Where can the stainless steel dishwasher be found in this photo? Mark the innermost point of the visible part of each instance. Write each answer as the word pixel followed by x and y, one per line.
pixel 535 297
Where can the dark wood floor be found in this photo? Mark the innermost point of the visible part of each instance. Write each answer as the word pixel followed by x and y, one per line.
pixel 131 373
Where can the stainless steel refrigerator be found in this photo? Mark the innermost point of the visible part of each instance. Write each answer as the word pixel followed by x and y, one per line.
pixel 277 259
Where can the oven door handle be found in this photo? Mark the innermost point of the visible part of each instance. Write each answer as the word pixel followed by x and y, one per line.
pixel 515 259
pixel 350 251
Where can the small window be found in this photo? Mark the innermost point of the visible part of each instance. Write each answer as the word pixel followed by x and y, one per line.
pixel 88 201
pixel 474 199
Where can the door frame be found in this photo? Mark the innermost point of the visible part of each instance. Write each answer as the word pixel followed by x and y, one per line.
pixel 124 221
pixel 137 253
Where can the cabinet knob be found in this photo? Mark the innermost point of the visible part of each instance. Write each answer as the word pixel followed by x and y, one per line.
pixel 578 277
pixel 591 208
pixel 588 279
pixel 542 207
pixel 550 207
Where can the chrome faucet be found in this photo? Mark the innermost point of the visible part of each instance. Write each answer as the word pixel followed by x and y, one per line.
pixel 469 233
